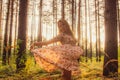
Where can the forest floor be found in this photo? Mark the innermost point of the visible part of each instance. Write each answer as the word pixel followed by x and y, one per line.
pixel 88 71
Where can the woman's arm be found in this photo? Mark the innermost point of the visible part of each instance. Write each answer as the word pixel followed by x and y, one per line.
pixel 55 39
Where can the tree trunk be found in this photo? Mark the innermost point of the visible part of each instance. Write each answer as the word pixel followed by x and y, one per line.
pixel 62 10
pixel 99 50
pixel 79 22
pixel 33 23
pixel 40 24
pixel 10 37
pixel 90 30
pixel 21 58
pixel 73 15
pixel 5 49
pixel 96 27
pixel 111 47
pixel 55 17
pixel 0 15
pixel 86 44
pixel 118 20
pixel 1 27
pixel 16 27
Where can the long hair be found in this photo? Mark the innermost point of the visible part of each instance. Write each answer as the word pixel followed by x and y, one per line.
pixel 64 27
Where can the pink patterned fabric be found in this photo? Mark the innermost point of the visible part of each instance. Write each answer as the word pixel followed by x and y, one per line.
pixel 60 56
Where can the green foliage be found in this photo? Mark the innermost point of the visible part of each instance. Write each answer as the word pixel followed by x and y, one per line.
pixel 30 64
pixel 89 71
pixel 16 49
pixel 21 57
pixel 119 51
pixel 6 71
pixel 19 41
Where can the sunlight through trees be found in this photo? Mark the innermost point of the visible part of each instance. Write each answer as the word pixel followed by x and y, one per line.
pixel 95 25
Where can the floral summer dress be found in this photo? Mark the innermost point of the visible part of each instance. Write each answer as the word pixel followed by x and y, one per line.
pixel 60 56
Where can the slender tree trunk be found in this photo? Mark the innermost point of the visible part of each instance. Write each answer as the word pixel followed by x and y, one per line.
pixel 54 18
pixel 33 24
pixel 0 16
pixel 86 52
pixel 32 29
pixel 16 27
pixel 118 20
pixel 90 32
pixel 5 49
pixel 96 20
pixel 99 50
pixel 62 10
pixel 53 9
pixel 10 37
pixel 111 47
pixel 40 24
pixel 79 22
pixel 21 56
pixel 1 27
pixel 73 15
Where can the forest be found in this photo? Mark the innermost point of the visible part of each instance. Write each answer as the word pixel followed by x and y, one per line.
pixel 95 25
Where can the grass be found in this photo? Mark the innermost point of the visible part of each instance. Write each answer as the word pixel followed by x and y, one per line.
pixel 88 71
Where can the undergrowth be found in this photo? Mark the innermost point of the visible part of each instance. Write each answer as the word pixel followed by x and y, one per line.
pixel 88 71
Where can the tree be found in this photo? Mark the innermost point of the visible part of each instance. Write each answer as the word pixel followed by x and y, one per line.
pixel 21 59
pixel 5 49
pixel 54 17
pixel 10 36
pixel 0 25
pixel 98 40
pixel 79 5
pixel 118 19
pixel 63 9
pixel 33 30
pixel 90 29
pixel 96 22
pixel 0 13
pixel 40 24
pixel 86 31
pixel 111 52
pixel 73 12
pixel 16 26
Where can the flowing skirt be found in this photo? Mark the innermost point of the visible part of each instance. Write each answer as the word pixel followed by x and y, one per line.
pixel 60 56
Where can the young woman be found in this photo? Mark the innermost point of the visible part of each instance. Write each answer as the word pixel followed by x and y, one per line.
pixel 63 56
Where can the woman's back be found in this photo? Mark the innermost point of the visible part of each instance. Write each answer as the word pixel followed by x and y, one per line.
pixel 67 39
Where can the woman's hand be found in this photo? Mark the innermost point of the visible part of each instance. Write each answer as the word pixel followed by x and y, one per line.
pixel 32 46
pixel 35 44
